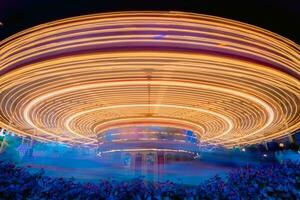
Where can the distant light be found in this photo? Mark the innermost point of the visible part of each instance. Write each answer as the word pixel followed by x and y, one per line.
pixel 281 144
pixel 2 132
pixel 159 36
pixel 222 44
pixel 197 156
pixel 265 155
pixel 1 24
pixel 99 154
pixel 243 149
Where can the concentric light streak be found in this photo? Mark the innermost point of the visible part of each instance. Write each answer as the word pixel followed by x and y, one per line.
pixel 73 79
pixel 147 150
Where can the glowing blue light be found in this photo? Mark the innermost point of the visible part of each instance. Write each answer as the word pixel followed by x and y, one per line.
pixel 160 36
pixel 2 133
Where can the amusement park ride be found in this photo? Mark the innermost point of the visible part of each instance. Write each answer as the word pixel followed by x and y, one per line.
pixel 145 81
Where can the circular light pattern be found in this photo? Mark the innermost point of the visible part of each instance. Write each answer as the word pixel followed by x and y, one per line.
pixel 71 80
pixel 148 136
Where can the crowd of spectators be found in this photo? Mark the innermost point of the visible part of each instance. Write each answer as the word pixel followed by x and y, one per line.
pixel 264 181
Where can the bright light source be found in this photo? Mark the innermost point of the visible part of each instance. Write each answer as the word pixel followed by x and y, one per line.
pixel 243 149
pixel 99 154
pixel 281 144
pixel 197 156
pixel 265 155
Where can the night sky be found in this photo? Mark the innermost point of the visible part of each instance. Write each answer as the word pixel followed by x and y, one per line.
pixel 279 16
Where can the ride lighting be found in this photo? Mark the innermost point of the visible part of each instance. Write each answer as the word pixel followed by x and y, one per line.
pixel 2 132
pixel 70 80
pixel 281 145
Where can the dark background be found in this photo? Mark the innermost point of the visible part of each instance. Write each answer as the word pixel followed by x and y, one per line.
pixel 279 16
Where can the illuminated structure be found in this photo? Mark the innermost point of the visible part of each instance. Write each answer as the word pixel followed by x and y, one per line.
pixel 147 148
pixel 229 82
pixel 148 138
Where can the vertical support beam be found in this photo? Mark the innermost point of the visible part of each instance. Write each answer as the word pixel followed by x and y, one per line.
pixel 3 141
pixel 266 145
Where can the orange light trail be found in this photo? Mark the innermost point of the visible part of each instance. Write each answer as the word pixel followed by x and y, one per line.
pixel 70 80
